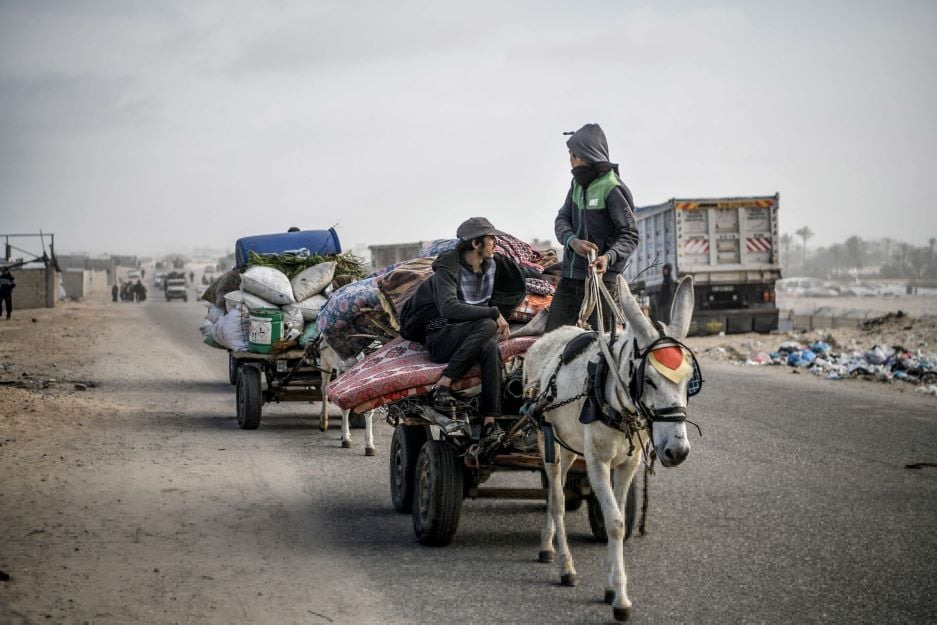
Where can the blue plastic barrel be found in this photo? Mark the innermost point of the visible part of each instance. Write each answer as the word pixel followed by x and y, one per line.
pixel 320 242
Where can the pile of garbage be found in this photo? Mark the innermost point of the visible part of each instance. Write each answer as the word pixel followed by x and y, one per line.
pixel 882 361
pixel 296 285
pixel 322 296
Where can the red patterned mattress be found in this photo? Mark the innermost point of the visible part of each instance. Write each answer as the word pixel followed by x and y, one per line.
pixel 400 369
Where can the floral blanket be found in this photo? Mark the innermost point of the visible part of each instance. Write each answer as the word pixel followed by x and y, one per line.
pixel 401 369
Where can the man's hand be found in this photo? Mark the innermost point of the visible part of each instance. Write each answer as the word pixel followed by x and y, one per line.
pixel 601 264
pixel 504 330
pixel 582 247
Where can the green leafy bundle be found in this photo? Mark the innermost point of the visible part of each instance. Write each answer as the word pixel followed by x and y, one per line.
pixel 346 264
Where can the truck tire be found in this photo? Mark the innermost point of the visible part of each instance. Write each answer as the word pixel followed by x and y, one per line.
pixel 437 501
pixel 597 519
pixel 404 450
pixel 249 399
pixel 232 369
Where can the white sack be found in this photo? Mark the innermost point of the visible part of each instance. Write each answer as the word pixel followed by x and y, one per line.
pixel 235 298
pixel 214 314
pixel 293 321
pixel 313 280
pixel 269 284
pixel 311 306
pixel 206 327
pixel 233 330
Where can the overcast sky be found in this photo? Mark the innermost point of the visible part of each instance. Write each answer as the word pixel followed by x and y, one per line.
pixel 149 126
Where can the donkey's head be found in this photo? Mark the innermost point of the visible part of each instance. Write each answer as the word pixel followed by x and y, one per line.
pixel 661 372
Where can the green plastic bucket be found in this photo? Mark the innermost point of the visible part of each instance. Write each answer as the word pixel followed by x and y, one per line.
pixel 266 328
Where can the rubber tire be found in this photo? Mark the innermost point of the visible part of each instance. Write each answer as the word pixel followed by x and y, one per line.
pixel 572 503
pixel 597 520
pixel 404 449
pixel 437 501
pixel 232 370
pixel 356 421
pixel 249 398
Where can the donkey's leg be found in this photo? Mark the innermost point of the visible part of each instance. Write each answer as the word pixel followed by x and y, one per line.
pixel 324 421
pixel 600 478
pixel 368 433
pixel 552 471
pixel 558 509
pixel 346 430
pixel 621 480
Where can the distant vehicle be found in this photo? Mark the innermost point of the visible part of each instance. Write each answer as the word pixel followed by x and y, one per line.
pixel 176 287
pixel 133 274
pixel 805 287
pixel 208 275
pixel 158 278
pixel 729 247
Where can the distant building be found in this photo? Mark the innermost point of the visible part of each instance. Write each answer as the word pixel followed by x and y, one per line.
pixel 383 255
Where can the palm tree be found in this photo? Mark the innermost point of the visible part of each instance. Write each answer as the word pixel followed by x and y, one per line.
pixel 804 233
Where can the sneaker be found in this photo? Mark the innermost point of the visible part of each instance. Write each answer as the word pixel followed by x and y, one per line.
pixel 492 431
pixel 442 398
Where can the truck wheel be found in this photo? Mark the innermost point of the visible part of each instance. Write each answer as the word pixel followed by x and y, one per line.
pixel 437 501
pixel 232 369
pixel 248 398
pixel 597 519
pixel 572 490
pixel 404 450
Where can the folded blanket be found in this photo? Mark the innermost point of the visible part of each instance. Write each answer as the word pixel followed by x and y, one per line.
pixel 401 369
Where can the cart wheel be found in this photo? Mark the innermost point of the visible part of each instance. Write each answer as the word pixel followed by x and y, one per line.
pixel 404 449
pixel 356 421
pixel 232 369
pixel 249 399
pixel 573 502
pixel 597 520
pixel 437 503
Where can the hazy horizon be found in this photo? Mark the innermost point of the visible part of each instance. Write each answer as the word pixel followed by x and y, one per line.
pixel 138 128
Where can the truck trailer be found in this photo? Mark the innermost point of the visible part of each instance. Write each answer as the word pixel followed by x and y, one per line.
pixel 729 246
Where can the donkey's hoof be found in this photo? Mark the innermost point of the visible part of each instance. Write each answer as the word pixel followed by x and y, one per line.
pixel 368 451
pixel 547 556
pixel 323 427
pixel 346 444
pixel 621 614
pixel 609 597
pixel 568 580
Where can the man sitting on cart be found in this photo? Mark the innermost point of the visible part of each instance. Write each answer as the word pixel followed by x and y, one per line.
pixel 459 315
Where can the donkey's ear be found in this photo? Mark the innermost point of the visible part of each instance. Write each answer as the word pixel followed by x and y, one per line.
pixel 681 311
pixel 643 329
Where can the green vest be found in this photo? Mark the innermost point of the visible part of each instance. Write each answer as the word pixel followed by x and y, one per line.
pixel 596 193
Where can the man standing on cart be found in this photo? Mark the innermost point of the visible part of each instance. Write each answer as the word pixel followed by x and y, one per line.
pixel 597 216
pixel 459 315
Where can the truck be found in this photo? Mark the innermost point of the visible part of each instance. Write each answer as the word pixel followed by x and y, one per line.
pixel 729 246
pixel 175 286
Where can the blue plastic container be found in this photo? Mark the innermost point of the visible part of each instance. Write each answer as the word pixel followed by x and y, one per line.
pixel 320 242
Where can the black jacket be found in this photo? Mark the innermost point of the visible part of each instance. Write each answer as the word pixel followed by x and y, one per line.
pixel 438 295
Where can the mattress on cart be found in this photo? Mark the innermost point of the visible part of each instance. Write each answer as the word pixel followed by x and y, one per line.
pixel 402 369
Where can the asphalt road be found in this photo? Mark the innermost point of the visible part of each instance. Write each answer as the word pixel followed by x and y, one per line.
pixel 796 506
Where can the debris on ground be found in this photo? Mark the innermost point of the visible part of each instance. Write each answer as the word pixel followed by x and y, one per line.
pixel 893 347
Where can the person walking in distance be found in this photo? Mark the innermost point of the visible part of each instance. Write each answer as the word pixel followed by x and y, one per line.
pixel 598 217
pixel 7 284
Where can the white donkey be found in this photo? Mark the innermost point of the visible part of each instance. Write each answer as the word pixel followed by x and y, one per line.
pixel 654 413
pixel 329 362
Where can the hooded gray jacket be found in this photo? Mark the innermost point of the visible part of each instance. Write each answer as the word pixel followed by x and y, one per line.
pixel 603 213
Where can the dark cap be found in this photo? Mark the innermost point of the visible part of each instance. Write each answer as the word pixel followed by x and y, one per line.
pixel 476 227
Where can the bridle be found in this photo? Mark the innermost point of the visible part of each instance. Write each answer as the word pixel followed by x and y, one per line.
pixel 635 414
